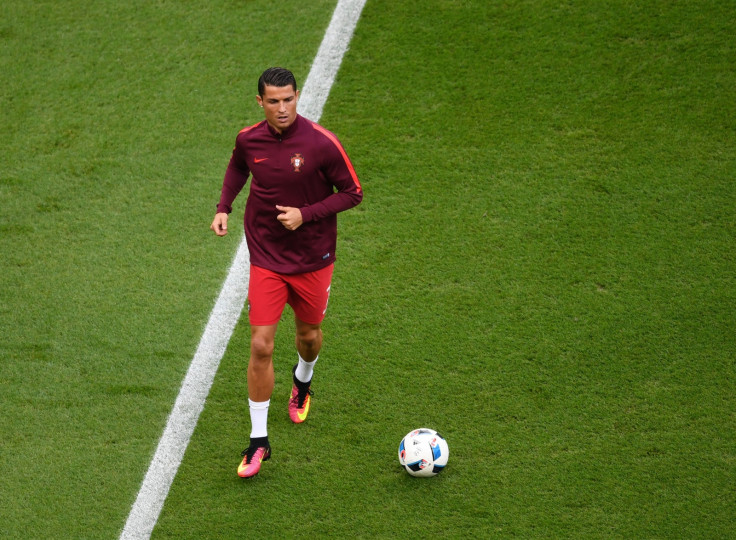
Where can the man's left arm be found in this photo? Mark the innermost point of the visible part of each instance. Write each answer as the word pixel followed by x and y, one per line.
pixel 340 172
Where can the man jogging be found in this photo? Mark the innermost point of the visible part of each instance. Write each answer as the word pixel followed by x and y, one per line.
pixel 301 179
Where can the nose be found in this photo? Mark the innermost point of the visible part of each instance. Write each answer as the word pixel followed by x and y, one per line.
pixel 282 106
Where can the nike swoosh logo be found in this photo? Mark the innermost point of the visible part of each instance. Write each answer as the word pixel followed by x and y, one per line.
pixel 258 160
pixel 303 415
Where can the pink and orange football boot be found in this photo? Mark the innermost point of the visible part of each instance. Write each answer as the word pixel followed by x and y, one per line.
pixel 301 399
pixel 253 456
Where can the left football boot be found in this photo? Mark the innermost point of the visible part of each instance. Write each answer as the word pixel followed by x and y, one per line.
pixel 301 399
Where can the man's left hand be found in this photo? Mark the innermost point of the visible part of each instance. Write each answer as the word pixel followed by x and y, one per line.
pixel 290 217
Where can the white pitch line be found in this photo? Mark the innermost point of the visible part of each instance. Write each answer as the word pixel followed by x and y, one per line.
pixel 198 381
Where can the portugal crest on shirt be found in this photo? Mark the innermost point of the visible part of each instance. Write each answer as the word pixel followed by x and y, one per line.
pixel 297 161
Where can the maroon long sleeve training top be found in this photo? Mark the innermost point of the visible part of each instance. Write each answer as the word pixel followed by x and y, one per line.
pixel 305 167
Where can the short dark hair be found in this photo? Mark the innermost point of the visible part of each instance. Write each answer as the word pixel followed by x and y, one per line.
pixel 275 76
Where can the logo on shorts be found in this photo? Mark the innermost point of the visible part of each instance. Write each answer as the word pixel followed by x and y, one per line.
pixel 297 160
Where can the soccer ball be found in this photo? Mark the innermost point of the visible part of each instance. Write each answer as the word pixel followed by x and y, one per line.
pixel 423 452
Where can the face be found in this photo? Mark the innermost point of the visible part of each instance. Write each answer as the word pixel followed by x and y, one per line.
pixel 279 104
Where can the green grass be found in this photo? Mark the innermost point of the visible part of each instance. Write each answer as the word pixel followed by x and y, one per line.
pixel 542 269
pixel 119 120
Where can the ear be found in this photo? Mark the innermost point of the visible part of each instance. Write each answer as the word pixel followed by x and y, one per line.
pixel 259 99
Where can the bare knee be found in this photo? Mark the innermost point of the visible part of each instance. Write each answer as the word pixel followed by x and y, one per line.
pixel 309 337
pixel 261 348
pixel 262 343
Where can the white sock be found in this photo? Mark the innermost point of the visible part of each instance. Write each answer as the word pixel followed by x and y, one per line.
pixel 304 369
pixel 258 418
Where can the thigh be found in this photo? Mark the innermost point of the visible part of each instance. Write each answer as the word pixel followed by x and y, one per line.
pixel 267 296
pixel 309 294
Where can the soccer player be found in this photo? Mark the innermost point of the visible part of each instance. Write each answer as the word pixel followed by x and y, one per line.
pixel 301 179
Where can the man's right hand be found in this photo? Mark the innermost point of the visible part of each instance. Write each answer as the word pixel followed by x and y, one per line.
pixel 219 224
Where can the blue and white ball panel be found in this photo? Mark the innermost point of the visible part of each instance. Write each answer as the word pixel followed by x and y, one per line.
pixel 436 450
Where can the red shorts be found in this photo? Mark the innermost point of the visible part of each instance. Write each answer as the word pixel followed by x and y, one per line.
pixel 269 292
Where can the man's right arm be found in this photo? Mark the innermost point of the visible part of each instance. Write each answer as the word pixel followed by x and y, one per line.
pixel 236 176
